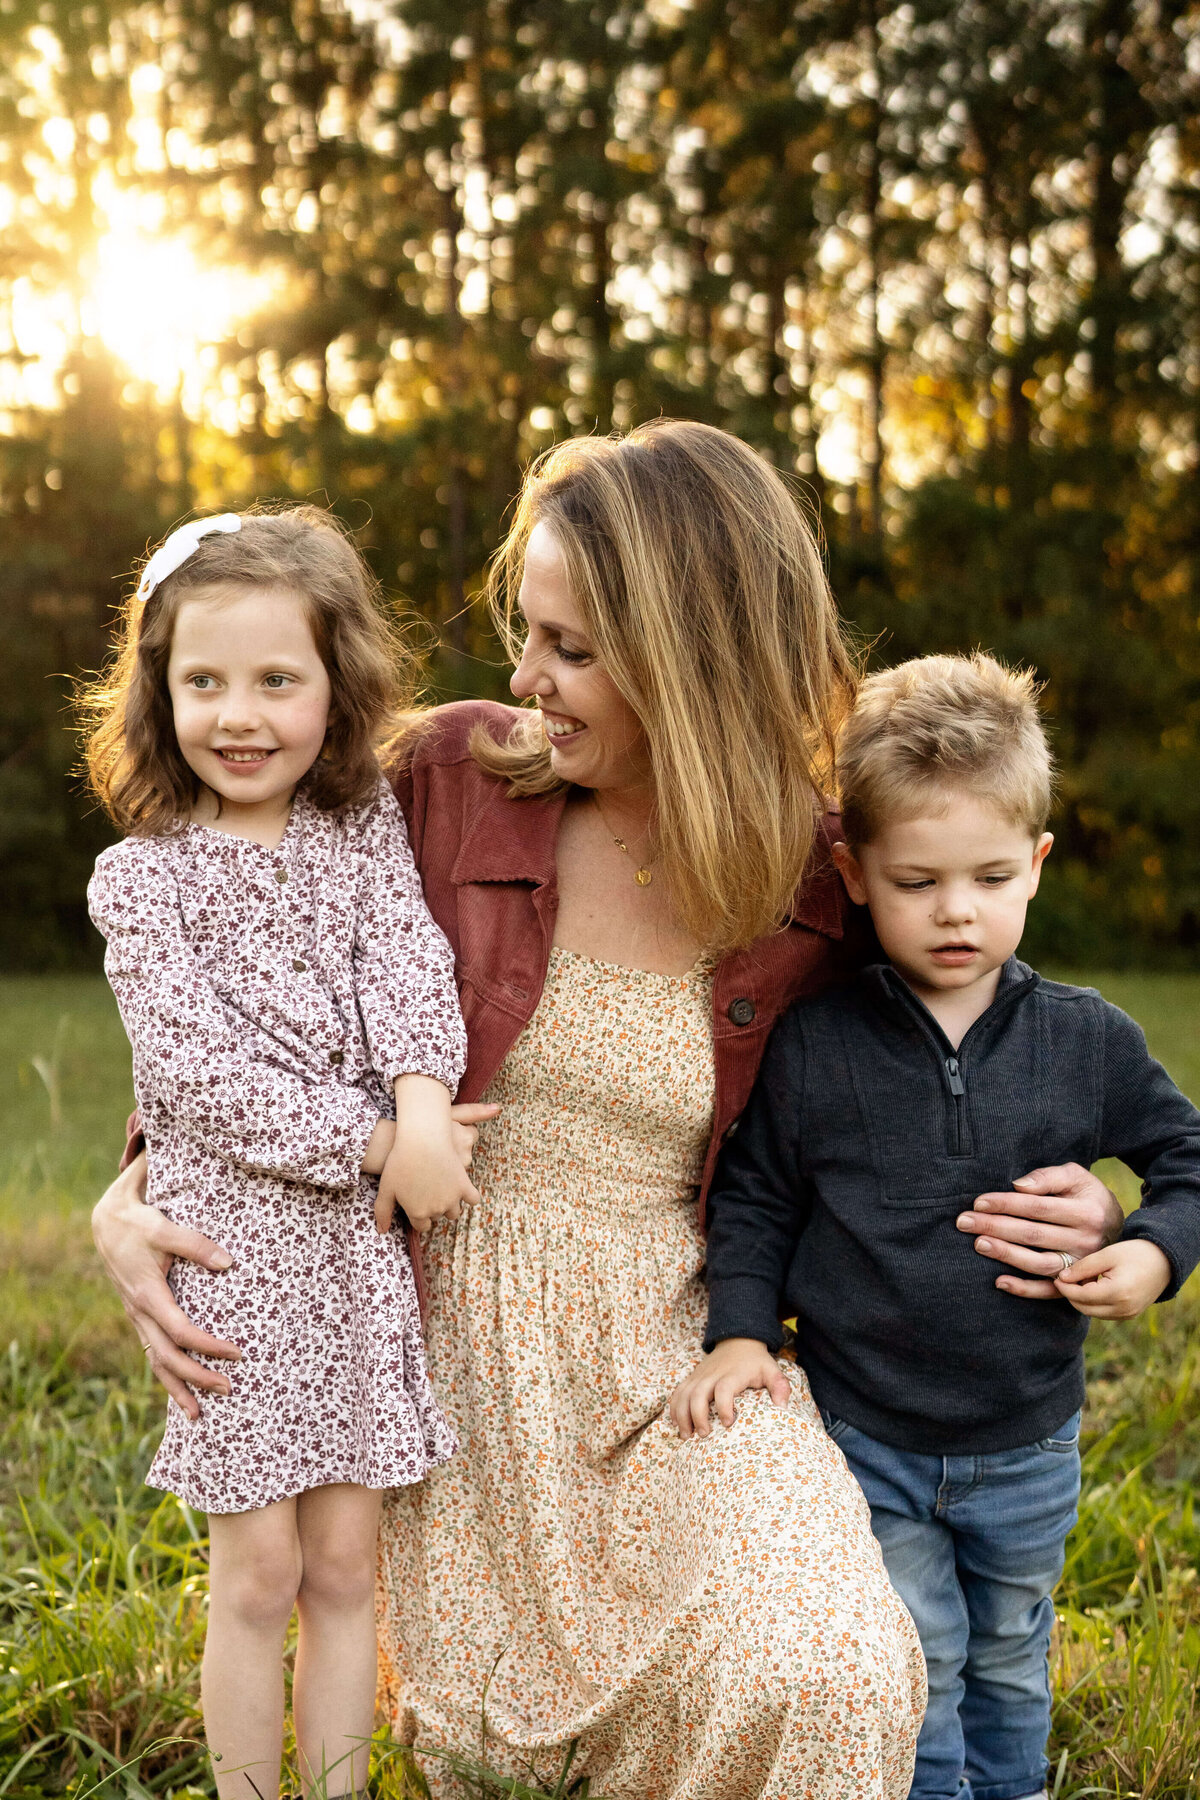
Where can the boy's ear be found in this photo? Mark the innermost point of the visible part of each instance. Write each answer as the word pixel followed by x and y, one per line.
pixel 1041 851
pixel 851 874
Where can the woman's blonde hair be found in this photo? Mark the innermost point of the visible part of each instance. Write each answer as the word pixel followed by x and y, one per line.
pixel 936 723
pixel 703 591
pixel 134 765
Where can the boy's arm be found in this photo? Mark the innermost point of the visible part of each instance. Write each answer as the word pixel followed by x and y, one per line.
pixel 1154 1128
pixel 758 1204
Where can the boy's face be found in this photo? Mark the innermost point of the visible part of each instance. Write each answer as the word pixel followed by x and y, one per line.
pixel 947 891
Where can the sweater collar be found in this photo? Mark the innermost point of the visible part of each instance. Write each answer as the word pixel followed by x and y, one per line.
pixel 892 995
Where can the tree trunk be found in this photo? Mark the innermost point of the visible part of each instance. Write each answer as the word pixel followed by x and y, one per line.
pixel 456 474
pixel 1110 22
pixel 182 433
pixel 1020 369
pixel 876 354
pixel 602 376
pixel 778 370
pixel 802 387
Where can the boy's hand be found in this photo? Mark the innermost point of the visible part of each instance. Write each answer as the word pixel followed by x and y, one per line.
pixel 1118 1282
pixel 726 1372
pixel 424 1173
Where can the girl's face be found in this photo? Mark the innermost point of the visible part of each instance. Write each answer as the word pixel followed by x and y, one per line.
pixel 595 737
pixel 250 695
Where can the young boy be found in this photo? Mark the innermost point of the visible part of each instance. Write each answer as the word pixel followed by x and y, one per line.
pixel 881 1110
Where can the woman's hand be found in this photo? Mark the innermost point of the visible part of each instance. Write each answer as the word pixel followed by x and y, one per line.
pixel 1061 1208
pixel 137 1245
pixel 726 1372
pixel 465 1121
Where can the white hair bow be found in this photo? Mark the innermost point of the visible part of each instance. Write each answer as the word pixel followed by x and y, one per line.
pixel 182 542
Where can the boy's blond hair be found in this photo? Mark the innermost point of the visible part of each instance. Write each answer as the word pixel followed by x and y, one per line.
pixel 942 722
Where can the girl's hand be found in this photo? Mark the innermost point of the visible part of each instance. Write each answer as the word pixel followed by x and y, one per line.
pixel 1118 1282
pixel 137 1245
pixel 425 1173
pixel 465 1121
pixel 726 1372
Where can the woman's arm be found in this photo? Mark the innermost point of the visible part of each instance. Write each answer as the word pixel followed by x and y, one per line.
pixel 1060 1208
pixel 137 1245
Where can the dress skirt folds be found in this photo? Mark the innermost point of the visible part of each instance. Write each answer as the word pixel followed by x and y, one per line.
pixel 710 1620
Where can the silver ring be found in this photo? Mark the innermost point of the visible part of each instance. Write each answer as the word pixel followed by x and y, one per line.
pixel 1066 1259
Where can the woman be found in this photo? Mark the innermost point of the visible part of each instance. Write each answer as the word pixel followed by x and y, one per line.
pixel 620 874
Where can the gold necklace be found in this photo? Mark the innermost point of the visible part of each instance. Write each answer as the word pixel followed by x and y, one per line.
pixel 643 875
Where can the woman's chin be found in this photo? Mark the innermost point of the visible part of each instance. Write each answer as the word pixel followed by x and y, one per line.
pixel 568 755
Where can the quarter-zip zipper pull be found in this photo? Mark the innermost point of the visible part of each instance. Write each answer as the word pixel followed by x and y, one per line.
pixel 956 1080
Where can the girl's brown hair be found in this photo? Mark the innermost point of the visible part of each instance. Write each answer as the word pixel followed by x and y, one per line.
pixel 134 765
pixel 702 588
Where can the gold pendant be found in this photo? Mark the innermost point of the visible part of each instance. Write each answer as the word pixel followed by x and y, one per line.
pixel 643 877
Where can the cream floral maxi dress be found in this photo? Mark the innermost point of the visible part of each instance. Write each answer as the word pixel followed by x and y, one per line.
pixel 710 1619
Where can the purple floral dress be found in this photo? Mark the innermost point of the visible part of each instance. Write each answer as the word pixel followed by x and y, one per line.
pixel 271 998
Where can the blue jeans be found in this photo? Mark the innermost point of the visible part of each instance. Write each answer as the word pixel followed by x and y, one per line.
pixel 974 1547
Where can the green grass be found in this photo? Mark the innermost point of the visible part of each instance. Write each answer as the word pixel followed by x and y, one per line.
pixel 65 1090
pixel 102 1581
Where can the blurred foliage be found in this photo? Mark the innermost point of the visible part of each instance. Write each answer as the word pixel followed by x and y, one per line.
pixel 939 260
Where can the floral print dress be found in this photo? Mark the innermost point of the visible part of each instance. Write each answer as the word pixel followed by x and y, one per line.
pixel 271 997
pixel 710 1620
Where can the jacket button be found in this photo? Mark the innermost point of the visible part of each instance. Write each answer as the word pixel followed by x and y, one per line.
pixel 337 1058
pixel 281 876
pixel 741 1011
pixel 300 967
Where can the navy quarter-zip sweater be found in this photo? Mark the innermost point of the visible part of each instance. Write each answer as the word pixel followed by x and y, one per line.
pixel 866 1136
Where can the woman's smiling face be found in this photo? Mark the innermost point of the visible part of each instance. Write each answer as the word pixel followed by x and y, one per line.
pixel 596 738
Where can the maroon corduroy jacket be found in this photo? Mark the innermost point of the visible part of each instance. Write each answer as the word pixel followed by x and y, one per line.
pixel 487 863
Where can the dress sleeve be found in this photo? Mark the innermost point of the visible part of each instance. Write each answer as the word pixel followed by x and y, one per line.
pixel 403 963
pixel 198 1057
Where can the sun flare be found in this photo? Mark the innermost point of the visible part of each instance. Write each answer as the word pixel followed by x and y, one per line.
pixel 157 307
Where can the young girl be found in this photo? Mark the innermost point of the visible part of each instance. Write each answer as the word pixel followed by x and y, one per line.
pixel 287 995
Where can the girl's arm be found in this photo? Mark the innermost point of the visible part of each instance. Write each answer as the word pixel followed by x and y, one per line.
pixel 424 1173
pixel 198 1057
pixel 403 964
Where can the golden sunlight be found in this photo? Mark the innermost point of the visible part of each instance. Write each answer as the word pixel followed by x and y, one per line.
pixel 156 307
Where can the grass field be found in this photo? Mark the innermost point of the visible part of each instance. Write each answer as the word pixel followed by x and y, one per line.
pixel 102 1582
